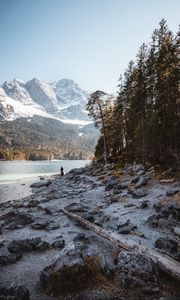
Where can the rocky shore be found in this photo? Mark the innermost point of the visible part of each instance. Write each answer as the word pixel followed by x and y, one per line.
pixel 44 254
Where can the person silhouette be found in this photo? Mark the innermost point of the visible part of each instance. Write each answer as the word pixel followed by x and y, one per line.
pixel 62 171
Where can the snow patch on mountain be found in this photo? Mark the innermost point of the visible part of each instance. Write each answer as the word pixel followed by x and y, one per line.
pixel 24 110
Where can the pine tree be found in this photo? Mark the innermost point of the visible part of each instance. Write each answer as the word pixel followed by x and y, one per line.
pixel 96 107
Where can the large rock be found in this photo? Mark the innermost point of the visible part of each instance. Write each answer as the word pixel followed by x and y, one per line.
pixel 135 270
pixel 77 171
pixel 170 210
pixel 141 182
pixel 172 191
pixel 7 258
pixel 17 217
pixel 39 225
pixel 127 228
pixel 41 183
pixel 58 244
pixel 111 184
pixel 167 244
pixel 14 293
pixel 77 268
pixel 139 194
pixel 26 245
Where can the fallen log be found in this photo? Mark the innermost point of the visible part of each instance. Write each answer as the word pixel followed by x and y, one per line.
pixel 102 232
pixel 164 262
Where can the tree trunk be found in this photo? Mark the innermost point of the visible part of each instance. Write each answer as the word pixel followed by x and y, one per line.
pixel 165 263
pixel 104 135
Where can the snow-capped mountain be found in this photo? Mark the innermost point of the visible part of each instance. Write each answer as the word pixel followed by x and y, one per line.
pixel 71 98
pixel 63 100
pixel 43 94
pixel 16 89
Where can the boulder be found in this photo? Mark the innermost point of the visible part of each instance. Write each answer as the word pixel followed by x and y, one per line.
pixel 41 224
pixel 164 223
pixel 111 184
pixel 127 229
pixel 18 217
pixel 75 207
pixel 144 204
pixel 77 171
pixel 126 223
pixel 135 270
pixel 141 182
pixel 32 203
pixel 172 191
pixel 157 207
pixel 153 221
pixel 139 194
pixel 167 244
pixel 52 226
pixel 77 268
pixel 7 258
pixel 11 226
pixel 58 244
pixel 135 179
pixel 122 186
pixel 26 245
pixel 41 183
pixel 113 199
pixel 14 293
pixel 169 210
pixel 165 212
pixel 42 246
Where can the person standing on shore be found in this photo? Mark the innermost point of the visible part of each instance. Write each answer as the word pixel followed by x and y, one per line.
pixel 62 171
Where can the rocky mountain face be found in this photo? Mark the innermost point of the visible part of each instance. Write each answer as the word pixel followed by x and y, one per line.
pixel 71 98
pixel 63 100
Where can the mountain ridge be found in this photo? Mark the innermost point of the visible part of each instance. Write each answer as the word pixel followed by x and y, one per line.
pixel 63 100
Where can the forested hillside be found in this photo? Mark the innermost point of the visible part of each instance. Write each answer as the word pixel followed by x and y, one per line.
pixel 143 123
pixel 46 138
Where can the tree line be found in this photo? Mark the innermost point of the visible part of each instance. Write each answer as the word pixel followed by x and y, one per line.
pixel 143 122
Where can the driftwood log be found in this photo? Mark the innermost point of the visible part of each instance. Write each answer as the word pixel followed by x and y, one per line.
pixel 164 262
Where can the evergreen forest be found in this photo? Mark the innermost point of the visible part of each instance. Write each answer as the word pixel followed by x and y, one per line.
pixel 143 122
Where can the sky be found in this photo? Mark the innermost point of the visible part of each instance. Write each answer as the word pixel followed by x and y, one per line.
pixel 89 41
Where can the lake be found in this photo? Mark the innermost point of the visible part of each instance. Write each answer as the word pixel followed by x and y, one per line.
pixel 16 176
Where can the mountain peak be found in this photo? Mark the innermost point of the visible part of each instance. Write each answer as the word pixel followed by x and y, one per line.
pixel 63 99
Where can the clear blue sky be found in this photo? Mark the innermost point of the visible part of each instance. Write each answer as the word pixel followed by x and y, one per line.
pixel 90 41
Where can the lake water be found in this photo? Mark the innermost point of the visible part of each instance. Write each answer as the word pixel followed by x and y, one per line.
pixel 16 176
